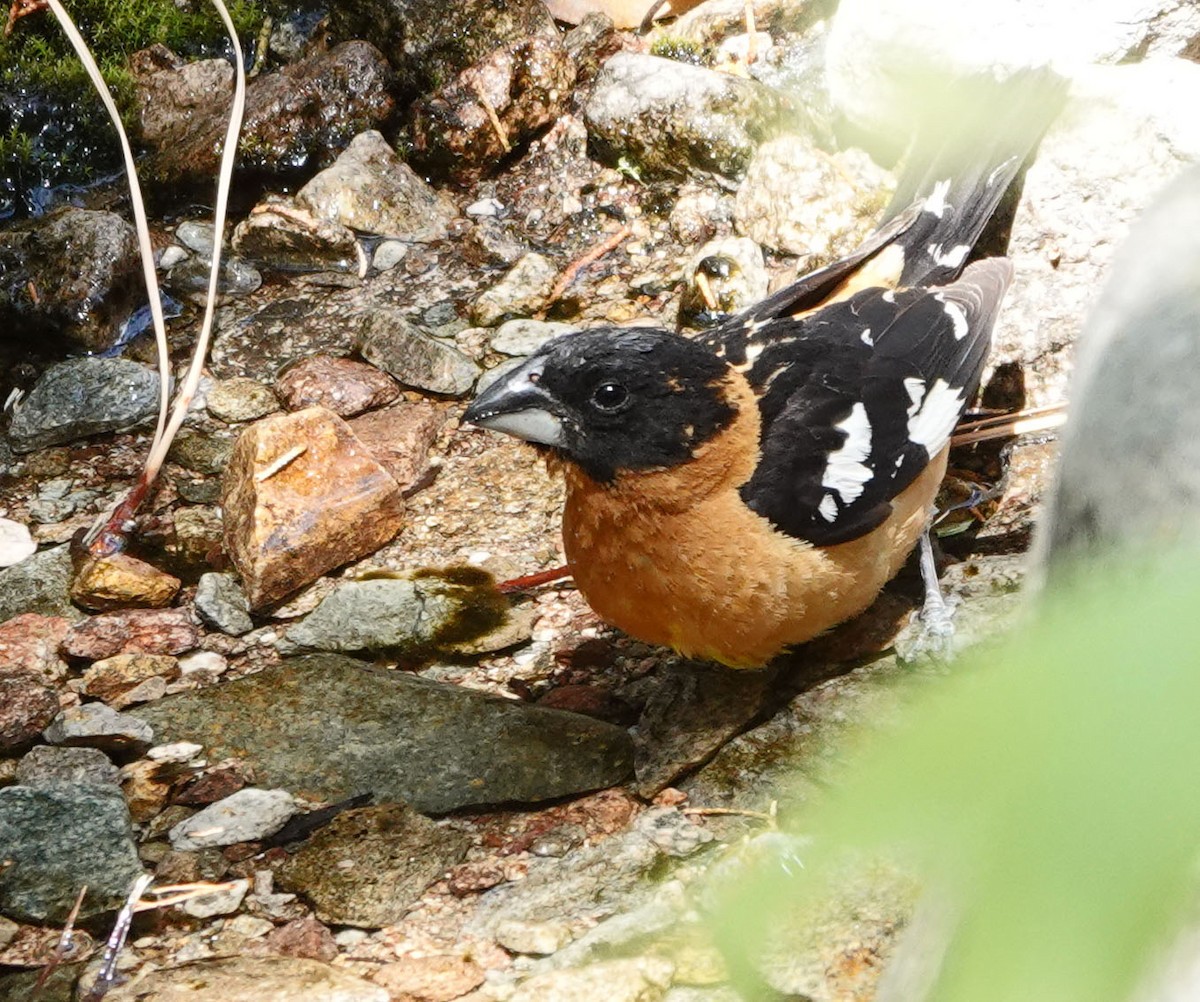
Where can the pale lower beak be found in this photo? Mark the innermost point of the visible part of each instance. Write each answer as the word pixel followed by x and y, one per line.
pixel 516 405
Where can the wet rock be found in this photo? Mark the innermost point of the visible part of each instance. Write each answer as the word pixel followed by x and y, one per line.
pixel 666 118
pixel 285 238
pixel 94 725
pixel 146 631
pixel 75 274
pixel 395 344
pixel 635 979
pixel 429 978
pixel 26 708
pixel 302 113
pixel 82 397
pixel 58 839
pixel 200 453
pixel 721 278
pixel 110 679
pixel 47 765
pixel 467 127
pixel 237 277
pixel 428 43
pixel 222 604
pixel 249 979
pixel 400 438
pixel 198 537
pixel 30 642
pixel 369 866
pixel 371 190
pixel 198 236
pixel 224 902
pixel 303 937
pixel 403 615
pixel 120 581
pixel 240 399
pixel 436 747
pixel 521 291
pixel 524 337
pixel 171 92
pixel 245 816
pixel 327 504
pixel 341 385
pixel 16 542
pixel 38 585
pixel 802 200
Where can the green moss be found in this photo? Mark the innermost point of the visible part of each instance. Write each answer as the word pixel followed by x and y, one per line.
pixel 682 50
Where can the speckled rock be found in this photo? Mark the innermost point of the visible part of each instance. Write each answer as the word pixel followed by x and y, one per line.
pixel 521 291
pixel 524 337
pixel 401 438
pixel 190 277
pixel 94 725
pixel 429 978
pixel 287 238
pixel 245 816
pixel 59 838
pixel 221 603
pixel 668 118
pixel 30 642
pixel 395 344
pixel 47 765
pixel 120 581
pixel 112 678
pixel 437 747
pixel 341 385
pixel 369 866
pixel 240 399
pixel 26 707
pixel 327 504
pixel 371 190
pixel 148 631
pixel 82 397
pixel 38 585
pixel 249 979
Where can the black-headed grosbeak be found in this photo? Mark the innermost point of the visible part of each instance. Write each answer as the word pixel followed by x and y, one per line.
pixel 739 492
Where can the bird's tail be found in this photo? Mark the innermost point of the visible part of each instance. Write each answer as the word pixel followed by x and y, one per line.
pixel 970 142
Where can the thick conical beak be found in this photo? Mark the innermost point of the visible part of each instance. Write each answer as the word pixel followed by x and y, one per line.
pixel 516 405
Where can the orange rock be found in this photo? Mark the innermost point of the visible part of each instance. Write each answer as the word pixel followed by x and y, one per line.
pixel 302 496
pixel 121 582
pixel 111 678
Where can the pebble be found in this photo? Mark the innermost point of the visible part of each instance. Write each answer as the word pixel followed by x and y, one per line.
pixel 223 902
pixel 26 708
pixel 521 291
pixel 388 254
pixel 240 399
pixel 389 340
pixel 16 542
pixel 538 938
pixel 119 581
pixel 202 663
pixel 197 236
pixel 82 397
pixel 341 385
pixel 176 751
pixel 245 816
pixel 47 765
pixel 524 337
pixel 433 978
pixel 94 725
pixel 222 604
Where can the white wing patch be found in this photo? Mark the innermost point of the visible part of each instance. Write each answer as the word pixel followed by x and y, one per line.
pixel 866 337
pixel 828 508
pixel 936 202
pixel 845 471
pixel 951 258
pixel 958 317
pixel 933 414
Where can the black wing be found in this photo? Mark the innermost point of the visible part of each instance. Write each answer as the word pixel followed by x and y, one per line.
pixel 857 397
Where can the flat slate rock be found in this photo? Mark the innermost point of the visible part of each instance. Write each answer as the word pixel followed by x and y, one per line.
pixel 327 727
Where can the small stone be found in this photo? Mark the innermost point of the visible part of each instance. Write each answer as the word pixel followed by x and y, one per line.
pixel 111 678
pixel 250 926
pixel 640 979
pixel 200 453
pixel 30 642
pixel 303 937
pixel 210 786
pixel 82 397
pixel 119 581
pixel 401 437
pixel 222 902
pixel 524 337
pixel 222 604
pixel 171 256
pixel 246 816
pixel 94 725
pixel 197 235
pixel 389 254
pixel 538 938
pixel 16 542
pixel 47 765
pixel 240 399
pixel 521 291
pixel 147 631
pixel 202 663
pixel 371 190
pixel 38 584
pixel 390 341
pixel 429 979
pixel 146 786
pixel 26 708
pixel 370 865
pixel 341 385
pixel 288 238
pixel 177 751
pixel 301 497
pixel 191 276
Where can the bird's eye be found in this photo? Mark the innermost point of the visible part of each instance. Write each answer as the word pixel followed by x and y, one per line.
pixel 609 396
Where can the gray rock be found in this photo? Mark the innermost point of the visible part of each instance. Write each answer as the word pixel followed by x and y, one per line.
pixel 200 453
pixel 40 584
pixel 388 340
pixel 197 236
pixel 405 615
pixel 245 816
pixel 522 290
pixel 371 190
pixel 224 902
pixel 26 706
pixel 369 866
pixel 85 268
pixel 95 725
pixel 240 399
pixel 221 603
pixel 329 727
pixel 664 117
pixel 250 979
pixel 47 765
pixel 58 839
pixel 389 254
pixel 524 337
pixel 237 277
pixel 82 397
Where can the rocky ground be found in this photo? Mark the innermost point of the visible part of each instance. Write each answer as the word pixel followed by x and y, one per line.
pixel 298 682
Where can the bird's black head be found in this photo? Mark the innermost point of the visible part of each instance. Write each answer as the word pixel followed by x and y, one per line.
pixel 612 399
